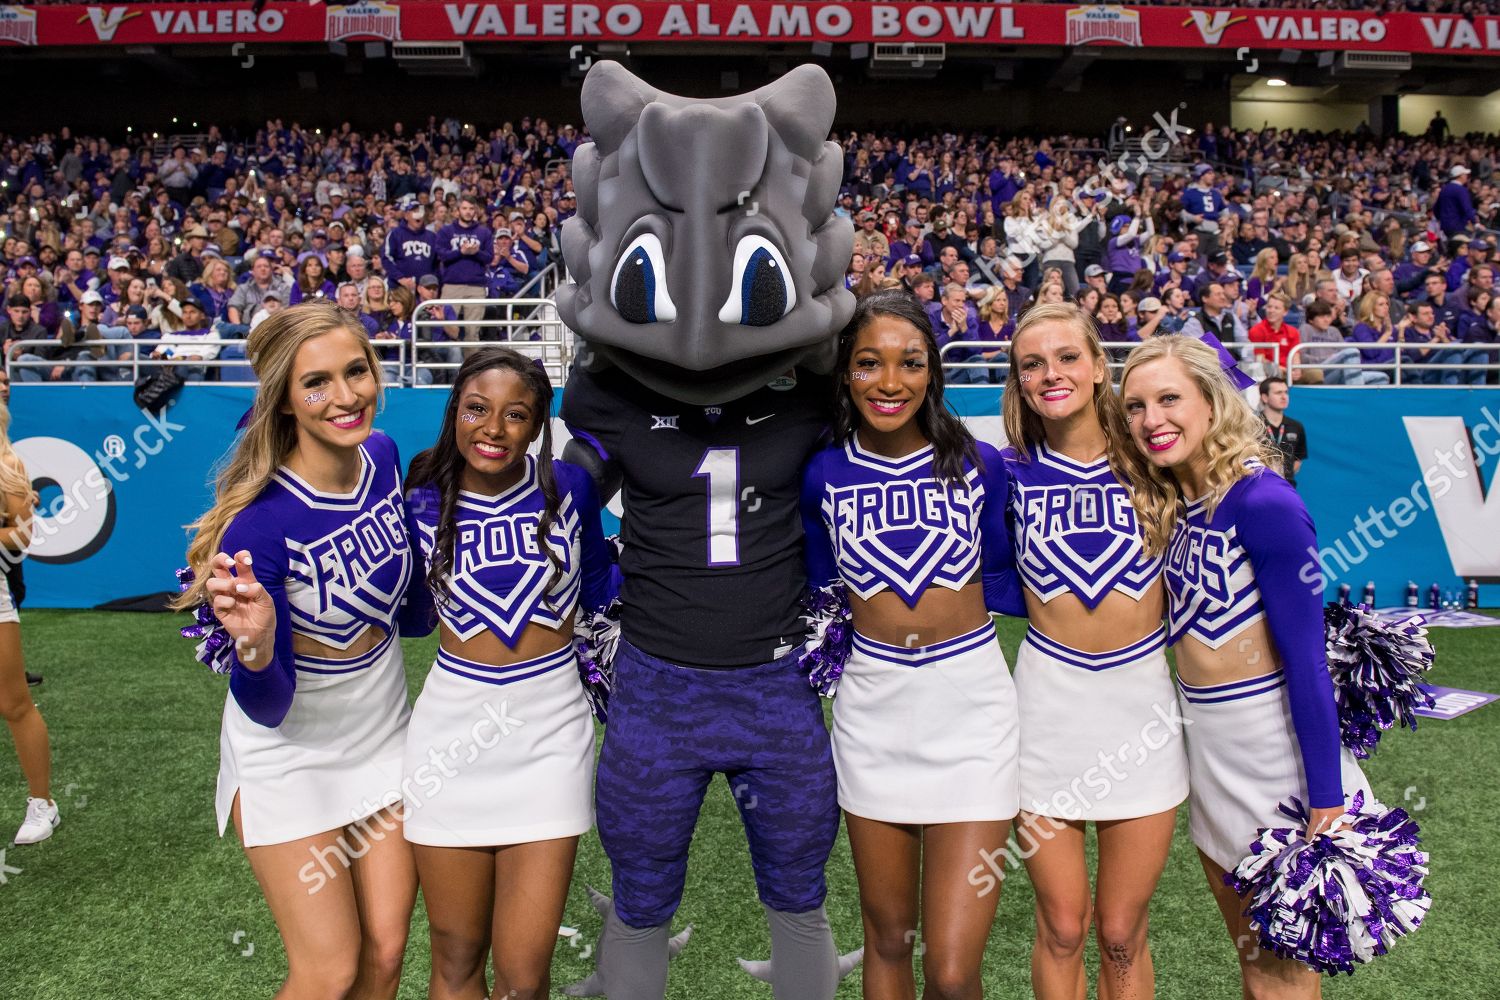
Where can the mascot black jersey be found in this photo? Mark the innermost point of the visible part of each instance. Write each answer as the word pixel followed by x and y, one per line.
pixel 712 556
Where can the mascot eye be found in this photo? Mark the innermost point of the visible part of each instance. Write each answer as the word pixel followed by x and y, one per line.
pixel 638 289
pixel 762 292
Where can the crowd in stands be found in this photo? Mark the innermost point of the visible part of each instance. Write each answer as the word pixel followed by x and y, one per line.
pixel 1241 233
pixel 1259 238
pixel 104 244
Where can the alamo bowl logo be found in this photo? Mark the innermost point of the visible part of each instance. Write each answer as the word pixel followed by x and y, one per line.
pixel 364 21
pixel 1104 26
pixel 17 26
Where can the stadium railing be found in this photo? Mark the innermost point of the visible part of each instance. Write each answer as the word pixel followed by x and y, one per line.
pixel 1116 350
pixel 530 326
pixel 116 370
pixel 1408 370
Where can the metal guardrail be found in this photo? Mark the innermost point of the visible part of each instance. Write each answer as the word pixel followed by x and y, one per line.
pixel 530 326
pixel 1115 350
pixel 117 370
pixel 1402 372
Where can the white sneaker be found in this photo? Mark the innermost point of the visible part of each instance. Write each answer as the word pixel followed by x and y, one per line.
pixel 41 820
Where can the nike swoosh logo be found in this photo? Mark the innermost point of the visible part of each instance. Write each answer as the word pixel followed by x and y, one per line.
pixel 757 420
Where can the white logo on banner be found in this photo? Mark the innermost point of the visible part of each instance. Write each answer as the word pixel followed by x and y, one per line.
pixel 1469 520
pixel 1212 28
pixel 107 21
pixel 76 524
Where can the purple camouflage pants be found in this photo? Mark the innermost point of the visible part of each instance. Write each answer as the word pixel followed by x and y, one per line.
pixel 670 729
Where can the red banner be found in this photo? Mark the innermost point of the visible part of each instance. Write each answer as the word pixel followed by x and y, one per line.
pixel 750 23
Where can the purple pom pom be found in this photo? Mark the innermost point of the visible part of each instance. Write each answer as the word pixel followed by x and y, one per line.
pixel 596 638
pixel 830 636
pixel 1341 899
pixel 215 649
pixel 1377 668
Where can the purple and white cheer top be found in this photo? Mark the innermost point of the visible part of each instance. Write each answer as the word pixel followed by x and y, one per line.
pixel 1075 529
pixel 501 580
pixel 333 564
pixel 1244 564
pixel 881 523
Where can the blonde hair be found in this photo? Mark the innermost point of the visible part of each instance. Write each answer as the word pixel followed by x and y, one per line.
pixel 1367 304
pixel 1024 427
pixel 1300 284
pixel 271 435
pixel 13 478
pixel 1234 437
pixel 992 295
pixel 1265 267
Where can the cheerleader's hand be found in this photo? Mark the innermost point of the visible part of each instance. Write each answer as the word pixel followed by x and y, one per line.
pixel 243 607
pixel 1322 820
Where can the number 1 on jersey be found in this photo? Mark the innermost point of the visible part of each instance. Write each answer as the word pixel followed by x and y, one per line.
pixel 721 466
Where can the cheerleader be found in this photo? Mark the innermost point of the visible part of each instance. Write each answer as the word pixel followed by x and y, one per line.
pixel 500 752
pixel 1252 670
pixel 1099 741
pixel 305 559
pixel 22 717
pixel 909 511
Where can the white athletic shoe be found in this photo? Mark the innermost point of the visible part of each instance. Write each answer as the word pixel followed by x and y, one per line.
pixel 41 820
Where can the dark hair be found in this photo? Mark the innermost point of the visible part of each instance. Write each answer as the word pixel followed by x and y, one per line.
pixel 1317 308
pixel 17 300
pixel 441 466
pixel 951 441
pixel 1267 383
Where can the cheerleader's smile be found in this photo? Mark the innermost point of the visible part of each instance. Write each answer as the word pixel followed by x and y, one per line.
pixel 887 379
pixel 496 422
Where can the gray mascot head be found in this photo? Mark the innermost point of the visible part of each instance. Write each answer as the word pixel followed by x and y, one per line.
pixel 705 257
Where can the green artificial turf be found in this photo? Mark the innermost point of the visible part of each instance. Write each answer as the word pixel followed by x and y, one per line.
pixel 135 896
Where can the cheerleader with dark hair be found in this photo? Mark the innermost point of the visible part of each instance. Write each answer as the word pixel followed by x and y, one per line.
pixel 909 512
pixel 500 751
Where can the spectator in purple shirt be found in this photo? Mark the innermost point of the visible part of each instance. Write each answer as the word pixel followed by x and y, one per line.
pixel 1454 209
pixel 465 247
pixel 312 280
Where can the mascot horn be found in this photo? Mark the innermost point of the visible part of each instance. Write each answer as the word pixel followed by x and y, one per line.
pixel 707 270
pixel 705 256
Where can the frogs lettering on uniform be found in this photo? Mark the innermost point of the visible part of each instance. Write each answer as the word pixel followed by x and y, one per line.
pixel 347 557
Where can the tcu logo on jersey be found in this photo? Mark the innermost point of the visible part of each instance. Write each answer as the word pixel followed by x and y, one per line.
pixel 345 560
pixel 415 248
pixel 1199 560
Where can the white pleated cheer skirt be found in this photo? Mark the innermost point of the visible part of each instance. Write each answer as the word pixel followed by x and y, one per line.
pixel 335 758
pixel 1101 733
pixel 499 755
pixel 1243 761
pixel 927 734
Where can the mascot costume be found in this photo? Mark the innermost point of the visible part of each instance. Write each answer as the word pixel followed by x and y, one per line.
pixel 707 271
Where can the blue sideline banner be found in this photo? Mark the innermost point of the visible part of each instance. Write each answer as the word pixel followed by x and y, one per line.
pixel 1397 482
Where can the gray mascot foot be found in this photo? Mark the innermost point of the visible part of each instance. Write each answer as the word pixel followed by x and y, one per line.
pixel 593 986
pixel 762 969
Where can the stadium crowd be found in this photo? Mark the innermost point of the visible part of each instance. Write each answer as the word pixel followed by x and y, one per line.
pixel 1269 237
pixel 1241 232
